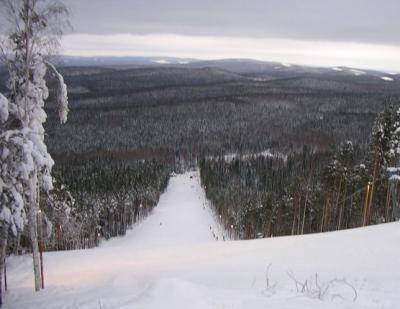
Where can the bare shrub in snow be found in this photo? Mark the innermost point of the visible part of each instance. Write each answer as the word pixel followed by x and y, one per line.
pixel 331 289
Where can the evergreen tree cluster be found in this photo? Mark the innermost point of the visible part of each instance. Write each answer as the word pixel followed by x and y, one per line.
pixel 98 199
pixel 309 191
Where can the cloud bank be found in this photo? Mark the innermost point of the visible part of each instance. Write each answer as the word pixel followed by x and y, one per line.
pixel 307 52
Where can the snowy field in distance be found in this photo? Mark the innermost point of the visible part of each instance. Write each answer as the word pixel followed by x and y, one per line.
pixel 172 260
pixel 247 156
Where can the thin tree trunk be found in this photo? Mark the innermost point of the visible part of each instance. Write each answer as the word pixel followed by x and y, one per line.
pixel 304 211
pixel 337 200
pixel 323 215
pixel 371 196
pixel 3 247
pixel 342 208
pixel 350 214
pixel 32 229
pixel 326 214
pixel 365 206
pixel 387 204
pixel 294 219
pixel 17 243
pixel 299 214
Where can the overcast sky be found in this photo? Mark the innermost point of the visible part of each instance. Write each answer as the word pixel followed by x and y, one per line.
pixel 320 32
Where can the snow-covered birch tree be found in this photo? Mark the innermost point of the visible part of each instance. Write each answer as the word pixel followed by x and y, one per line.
pixel 34 31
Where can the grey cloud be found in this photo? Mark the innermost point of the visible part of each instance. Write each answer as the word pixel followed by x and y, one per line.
pixel 366 21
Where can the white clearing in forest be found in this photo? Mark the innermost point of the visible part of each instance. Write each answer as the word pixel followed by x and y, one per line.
pixel 386 78
pixel 161 61
pixel 178 265
pixel 357 72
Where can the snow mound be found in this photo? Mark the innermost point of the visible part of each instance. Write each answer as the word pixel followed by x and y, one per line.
pixel 386 78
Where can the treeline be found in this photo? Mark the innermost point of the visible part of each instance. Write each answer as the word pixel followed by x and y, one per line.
pixel 97 199
pixel 310 191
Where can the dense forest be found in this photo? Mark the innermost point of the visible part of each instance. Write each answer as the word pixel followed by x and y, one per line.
pixel 96 199
pixel 128 129
pixel 308 191
pixel 162 111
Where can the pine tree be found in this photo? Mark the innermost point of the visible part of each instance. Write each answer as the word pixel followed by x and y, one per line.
pixel 379 158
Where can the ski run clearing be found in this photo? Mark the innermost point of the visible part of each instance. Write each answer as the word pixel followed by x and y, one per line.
pixel 173 260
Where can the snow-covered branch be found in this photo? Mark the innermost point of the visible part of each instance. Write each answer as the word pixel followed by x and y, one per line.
pixel 61 92
pixel 3 109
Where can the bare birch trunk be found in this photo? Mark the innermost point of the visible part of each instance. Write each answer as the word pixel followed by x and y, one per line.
pixel 32 230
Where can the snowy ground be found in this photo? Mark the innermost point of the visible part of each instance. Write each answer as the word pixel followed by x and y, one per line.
pixel 172 260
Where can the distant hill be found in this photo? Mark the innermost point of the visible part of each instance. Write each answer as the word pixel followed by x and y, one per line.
pixel 128 62
pixel 246 68
pixel 105 73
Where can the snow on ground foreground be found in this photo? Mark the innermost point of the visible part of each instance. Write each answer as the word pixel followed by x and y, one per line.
pixel 172 260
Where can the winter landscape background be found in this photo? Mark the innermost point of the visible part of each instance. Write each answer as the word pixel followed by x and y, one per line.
pixel 199 155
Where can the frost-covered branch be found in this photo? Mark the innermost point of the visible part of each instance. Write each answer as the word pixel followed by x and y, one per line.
pixel 3 109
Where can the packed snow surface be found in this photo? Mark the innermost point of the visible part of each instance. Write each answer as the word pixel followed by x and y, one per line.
pixel 173 260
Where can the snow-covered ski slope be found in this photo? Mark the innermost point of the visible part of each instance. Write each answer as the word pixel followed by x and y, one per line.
pixel 172 260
